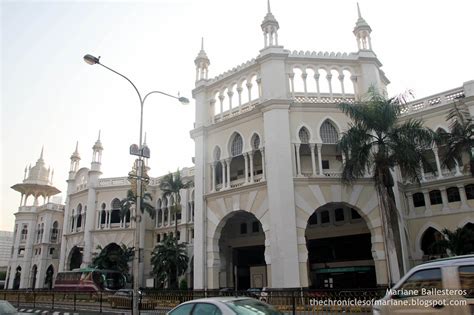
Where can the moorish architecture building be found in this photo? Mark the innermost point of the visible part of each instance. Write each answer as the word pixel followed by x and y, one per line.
pixel 268 207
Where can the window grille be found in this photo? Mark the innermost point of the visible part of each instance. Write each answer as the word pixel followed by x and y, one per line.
pixel 304 135
pixel 328 133
pixel 237 145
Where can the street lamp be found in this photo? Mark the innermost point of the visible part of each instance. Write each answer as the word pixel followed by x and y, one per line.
pixel 142 152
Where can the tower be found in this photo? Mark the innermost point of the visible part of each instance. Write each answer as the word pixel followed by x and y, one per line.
pixel 202 64
pixel 362 32
pixel 270 28
pixel 75 159
pixel 97 155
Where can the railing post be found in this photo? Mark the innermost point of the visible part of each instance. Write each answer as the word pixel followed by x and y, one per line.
pixel 52 301
pixel 100 309
pixel 34 299
pixel 74 301
pixel 18 299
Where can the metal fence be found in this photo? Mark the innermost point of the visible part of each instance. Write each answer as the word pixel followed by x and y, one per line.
pixel 296 301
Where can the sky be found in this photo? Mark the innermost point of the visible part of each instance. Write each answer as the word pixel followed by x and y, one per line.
pixel 51 98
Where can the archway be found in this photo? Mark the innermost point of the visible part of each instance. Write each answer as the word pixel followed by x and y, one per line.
pixel 75 258
pixel 339 247
pixel 428 244
pixel 48 279
pixel 242 252
pixel 17 279
pixel 34 273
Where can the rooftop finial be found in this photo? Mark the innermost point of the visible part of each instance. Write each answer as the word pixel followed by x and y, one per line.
pixel 202 43
pixel 41 155
pixel 358 10
pixel 98 139
pixel 77 147
pixel 268 7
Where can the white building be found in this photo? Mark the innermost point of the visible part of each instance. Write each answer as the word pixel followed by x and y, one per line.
pixel 268 207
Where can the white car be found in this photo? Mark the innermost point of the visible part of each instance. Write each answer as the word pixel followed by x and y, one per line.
pixel 443 286
pixel 224 306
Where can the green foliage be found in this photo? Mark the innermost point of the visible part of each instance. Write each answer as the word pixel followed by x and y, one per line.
pixel 459 141
pixel 169 259
pixel 183 284
pixel 113 257
pixel 3 275
pixel 457 242
pixel 128 203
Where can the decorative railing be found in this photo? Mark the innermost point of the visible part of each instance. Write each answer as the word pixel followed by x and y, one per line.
pixel 51 206
pixel 322 98
pixel 432 101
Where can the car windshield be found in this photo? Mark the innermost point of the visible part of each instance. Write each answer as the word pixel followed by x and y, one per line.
pixel 251 307
pixel 6 308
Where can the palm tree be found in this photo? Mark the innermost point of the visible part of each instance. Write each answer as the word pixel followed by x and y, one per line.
pixel 126 204
pixel 113 257
pixel 459 141
pixel 375 143
pixel 169 259
pixel 170 186
pixel 459 242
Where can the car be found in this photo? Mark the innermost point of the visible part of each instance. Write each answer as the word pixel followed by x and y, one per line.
pixel 123 298
pixel 224 306
pixel 8 309
pixel 253 292
pixel 443 286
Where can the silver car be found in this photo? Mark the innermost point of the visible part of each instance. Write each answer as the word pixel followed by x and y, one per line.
pixel 224 306
pixel 8 309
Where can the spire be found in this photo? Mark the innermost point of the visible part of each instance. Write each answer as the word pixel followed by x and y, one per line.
pixel 75 158
pixel 41 155
pixel 270 28
pixel 202 63
pixel 362 32
pixel 98 145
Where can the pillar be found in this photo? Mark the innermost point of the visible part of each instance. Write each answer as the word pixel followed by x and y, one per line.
pixel 298 160
pixel 313 159
pixel 320 162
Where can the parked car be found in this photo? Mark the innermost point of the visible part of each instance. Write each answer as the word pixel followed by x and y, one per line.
pixel 442 287
pixel 224 306
pixel 8 309
pixel 123 298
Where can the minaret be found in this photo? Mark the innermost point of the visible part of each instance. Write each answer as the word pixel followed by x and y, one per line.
pixel 270 28
pixel 75 159
pixel 202 64
pixel 362 32
pixel 97 155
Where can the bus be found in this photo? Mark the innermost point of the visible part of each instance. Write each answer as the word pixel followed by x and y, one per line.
pixel 90 279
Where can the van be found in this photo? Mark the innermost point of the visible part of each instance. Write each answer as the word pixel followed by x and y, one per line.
pixel 443 286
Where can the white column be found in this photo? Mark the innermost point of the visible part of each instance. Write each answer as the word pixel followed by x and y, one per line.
pixel 456 166
pixel 259 87
pixel 411 209
pixel 221 104
pixel 298 160
pixel 292 84
pixel 262 151
pixel 422 171
pixel 313 159
pixel 230 94
pixel 426 197
pixel 239 91
pixel 213 177
pixel 246 167
pixel 223 174
pixel 251 166
pixel 438 164
pixel 304 75
pixel 462 194
pixel 213 110
pixel 320 162
pixel 444 198
pixel 316 78
pixel 329 77
pixel 354 86
pixel 249 90
pixel 228 171
pixel 341 80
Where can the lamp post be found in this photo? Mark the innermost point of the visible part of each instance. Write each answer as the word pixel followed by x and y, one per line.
pixel 142 152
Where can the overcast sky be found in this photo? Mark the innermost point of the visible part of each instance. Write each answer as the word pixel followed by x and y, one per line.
pixel 51 97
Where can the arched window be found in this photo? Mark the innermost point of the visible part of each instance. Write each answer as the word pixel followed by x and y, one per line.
pixel 453 194
pixel 428 242
pixel 435 197
pixel 255 142
pixel 418 200
pixel 72 220
pixel 79 216
pixel 217 154
pixel 55 232
pixel 237 145
pixel 103 214
pixel 328 133
pixel 304 135
pixel 115 213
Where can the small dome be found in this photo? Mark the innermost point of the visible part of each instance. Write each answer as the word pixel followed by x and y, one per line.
pixel 38 173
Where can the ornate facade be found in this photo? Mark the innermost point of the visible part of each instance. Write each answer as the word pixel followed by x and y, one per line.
pixel 268 207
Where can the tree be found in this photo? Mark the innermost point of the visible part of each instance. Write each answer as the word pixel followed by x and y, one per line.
pixel 375 143
pixel 459 141
pixel 113 257
pixel 457 242
pixel 128 203
pixel 170 187
pixel 169 260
